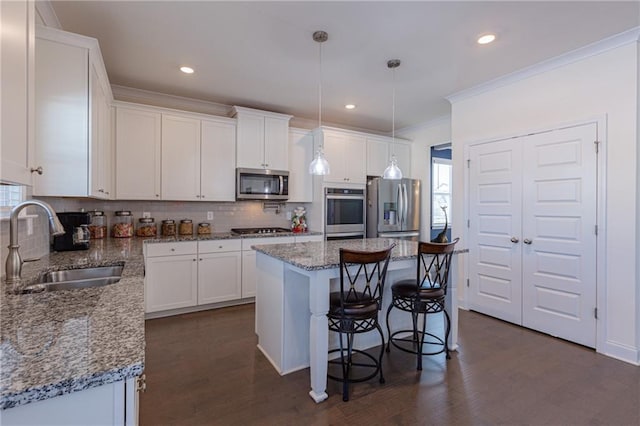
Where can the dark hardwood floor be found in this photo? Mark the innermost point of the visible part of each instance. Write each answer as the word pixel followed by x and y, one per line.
pixel 204 369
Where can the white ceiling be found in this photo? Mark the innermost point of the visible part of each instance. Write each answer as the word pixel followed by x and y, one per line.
pixel 261 54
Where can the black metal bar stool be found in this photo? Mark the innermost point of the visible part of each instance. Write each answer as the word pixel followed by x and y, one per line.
pixel 354 309
pixel 423 295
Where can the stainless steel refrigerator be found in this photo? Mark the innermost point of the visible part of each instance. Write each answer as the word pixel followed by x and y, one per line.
pixel 393 208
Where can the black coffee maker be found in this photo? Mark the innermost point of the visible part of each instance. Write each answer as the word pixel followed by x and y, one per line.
pixel 76 232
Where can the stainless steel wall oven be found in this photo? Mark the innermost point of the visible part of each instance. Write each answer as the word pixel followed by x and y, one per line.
pixel 345 212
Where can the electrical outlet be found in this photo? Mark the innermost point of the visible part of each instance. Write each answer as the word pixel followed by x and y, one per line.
pixel 209 215
pixel 288 215
pixel 146 214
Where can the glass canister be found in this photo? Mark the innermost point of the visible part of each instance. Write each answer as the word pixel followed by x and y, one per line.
pixel 186 227
pixel 98 225
pixel 122 224
pixel 204 228
pixel 146 227
pixel 169 228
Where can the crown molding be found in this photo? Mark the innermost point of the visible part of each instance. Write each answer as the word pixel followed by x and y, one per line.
pixel 604 45
pixel 147 97
pixel 47 14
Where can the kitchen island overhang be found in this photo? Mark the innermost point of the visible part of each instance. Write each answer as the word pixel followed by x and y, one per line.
pixel 292 301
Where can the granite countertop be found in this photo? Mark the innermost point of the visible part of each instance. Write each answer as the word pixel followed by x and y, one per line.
pixel 60 342
pixel 313 256
pixel 55 343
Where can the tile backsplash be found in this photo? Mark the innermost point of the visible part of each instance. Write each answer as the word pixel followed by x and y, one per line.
pixel 225 215
pixel 33 231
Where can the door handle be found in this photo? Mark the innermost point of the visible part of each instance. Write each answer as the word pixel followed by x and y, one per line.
pixel 514 240
pixel 527 241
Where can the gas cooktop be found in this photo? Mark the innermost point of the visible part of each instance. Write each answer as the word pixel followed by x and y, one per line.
pixel 259 231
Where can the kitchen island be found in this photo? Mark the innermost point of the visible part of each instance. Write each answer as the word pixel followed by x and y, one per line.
pixel 292 301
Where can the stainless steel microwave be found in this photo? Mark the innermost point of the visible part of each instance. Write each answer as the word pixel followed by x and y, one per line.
pixel 262 184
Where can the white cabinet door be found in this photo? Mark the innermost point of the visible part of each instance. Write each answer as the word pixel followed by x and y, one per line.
pixel 377 156
pixel 137 154
pixel 218 161
pixel 100 405
pixel 62 120
pixel 334 153
pixel 250 141
pixel 17 70
pixel 100 149
pixel 171 282
pixel 262 139
pixel 346 154
pixel 276 141
pixel 355 161
pixel 180 169
pixel 219 277
pixel 300 156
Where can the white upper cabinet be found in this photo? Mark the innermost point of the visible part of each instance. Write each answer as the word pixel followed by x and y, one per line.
pixel 164 154
pixel 217 160
pixel 379 150
pixel 346 153
pixel 180 158
pixel 300 156
pixel 262 139
pixel 138 142
pixel 72 116
pixel 101 147
pixel 16 67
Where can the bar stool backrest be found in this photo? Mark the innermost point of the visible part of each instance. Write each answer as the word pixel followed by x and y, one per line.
pixel 434 261
pixel 362 275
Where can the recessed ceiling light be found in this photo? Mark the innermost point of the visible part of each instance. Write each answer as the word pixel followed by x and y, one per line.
pixel 186 70
pixel 486 39
pixel 350 106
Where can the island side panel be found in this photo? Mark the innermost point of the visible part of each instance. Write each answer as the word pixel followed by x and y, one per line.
pixel 270 308
pixel 297 316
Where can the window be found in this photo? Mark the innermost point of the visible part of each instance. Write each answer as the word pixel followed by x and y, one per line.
pixel 441 176
pixel 10 195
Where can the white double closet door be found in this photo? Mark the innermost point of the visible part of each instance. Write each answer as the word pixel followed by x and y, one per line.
pixel 532 231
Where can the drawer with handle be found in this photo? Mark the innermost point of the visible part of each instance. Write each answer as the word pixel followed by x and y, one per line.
pixel 171 249
pixel 219 246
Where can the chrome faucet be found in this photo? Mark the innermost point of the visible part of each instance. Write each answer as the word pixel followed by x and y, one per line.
pixel 14 261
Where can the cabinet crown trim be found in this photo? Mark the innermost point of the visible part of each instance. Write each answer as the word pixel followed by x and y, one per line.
pixel 242 110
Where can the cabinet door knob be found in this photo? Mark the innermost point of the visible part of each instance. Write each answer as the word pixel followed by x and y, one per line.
pixel 527 241
pixel 514 240
pixel 157 195
pixel 37 170
pixel 173 249
pixel 200 259
pixel 202 196
pixel 100 190
pixel 194 260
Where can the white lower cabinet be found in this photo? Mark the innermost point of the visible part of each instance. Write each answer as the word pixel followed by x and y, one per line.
pixel 110 404
pixel 219 271
pixel 189 274
pixel 171 276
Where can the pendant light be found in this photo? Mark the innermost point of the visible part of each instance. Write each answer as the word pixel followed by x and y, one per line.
pixel 320 165
pixel 393 171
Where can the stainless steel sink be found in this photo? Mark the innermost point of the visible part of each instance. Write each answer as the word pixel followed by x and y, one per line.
pixel 75 279
pixel 82 274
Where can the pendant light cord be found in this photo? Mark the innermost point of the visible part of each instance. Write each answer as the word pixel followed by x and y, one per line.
pixel 393 115
pixel 320 86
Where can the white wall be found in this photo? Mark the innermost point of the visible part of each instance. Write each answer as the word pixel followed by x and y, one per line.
pixel 604 84
pixel 435 132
